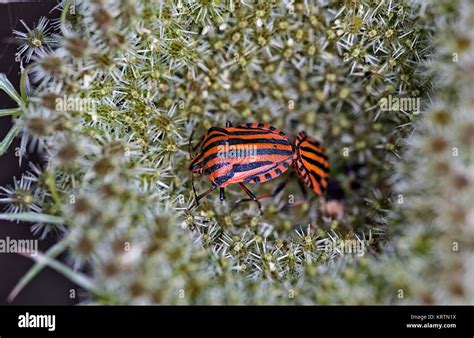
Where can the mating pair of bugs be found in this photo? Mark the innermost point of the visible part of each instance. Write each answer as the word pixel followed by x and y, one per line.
pixel 271 154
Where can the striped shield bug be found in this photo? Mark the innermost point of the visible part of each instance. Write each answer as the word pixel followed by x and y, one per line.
pixel 247 154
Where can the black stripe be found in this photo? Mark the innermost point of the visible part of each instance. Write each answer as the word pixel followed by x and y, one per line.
pixel 317 177
pixel 224 178
pixel 210 137
pixel 266 172
pixel 215 167
pixel 243 131
pixel 264 151
pixel 195 161
pixel 315 163
pixel 262 127
pixel 249 132
pixel 278 171
pixel 249 166
pixel 307 180
pixel 254 178
pixel 237 141
pixel 239 133
pixel 303 173
pixel 221 130
pixel 311 150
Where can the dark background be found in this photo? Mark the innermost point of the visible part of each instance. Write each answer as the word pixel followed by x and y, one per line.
pixel 48 287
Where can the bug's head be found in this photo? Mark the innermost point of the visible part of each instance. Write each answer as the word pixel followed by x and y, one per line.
pixel 311 163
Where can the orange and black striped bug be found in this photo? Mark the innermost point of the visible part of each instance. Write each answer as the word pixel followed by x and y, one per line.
pixel 250 153
pixel 268 154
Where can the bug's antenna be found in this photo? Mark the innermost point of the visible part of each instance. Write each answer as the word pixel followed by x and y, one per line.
pixel 194 188
pixel 190 148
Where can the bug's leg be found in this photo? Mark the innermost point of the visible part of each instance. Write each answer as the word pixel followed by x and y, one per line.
pixel 194 188
pixel 222 194
pixel 190 146
pixel 303 190
pixel 252 197
pixel 204 194
pixel 199 143
pixel 275 192
pixel 228 124
pixel 192 149
pixel 298 201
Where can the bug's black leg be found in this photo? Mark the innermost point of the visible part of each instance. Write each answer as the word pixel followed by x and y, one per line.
pixel 299 201
pixel 222 194
pixel 252 196
pixel 228 124
pixel 190 146
pixel 278 189
pixel 275 192
pixel 199 143
pixel 194 188
pixel 204 194
pixel 303 190
pixel 283 184
pixel 192 149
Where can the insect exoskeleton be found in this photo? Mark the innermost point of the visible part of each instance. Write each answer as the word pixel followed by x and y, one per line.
pixel 311 163
pixel 249 153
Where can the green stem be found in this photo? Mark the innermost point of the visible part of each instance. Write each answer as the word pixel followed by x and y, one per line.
pixel 67 4
pixel 7 141
pixel 52 253
pixel 23 92
pixel 52 189
pixel 10 112
pixel 76 277
pixel 8 88
pixel 32 217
